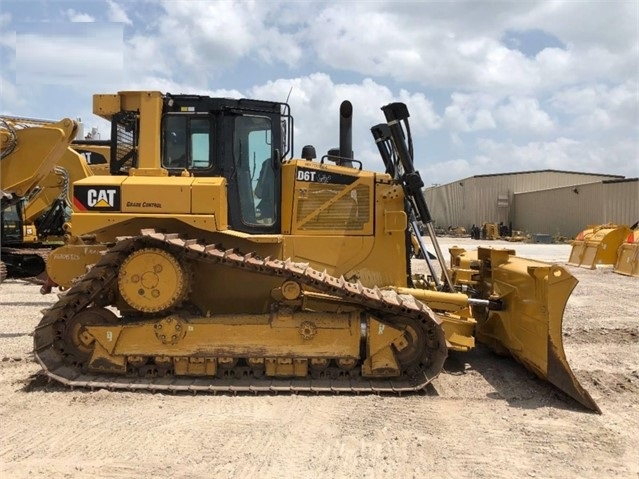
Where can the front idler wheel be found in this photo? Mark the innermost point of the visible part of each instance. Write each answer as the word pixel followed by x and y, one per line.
pixel 78 343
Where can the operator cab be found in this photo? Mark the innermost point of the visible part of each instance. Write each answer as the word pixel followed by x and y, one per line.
pixel 11 225
pixel 242 140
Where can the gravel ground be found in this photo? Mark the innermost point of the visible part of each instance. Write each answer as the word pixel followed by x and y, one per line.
pixel 484 417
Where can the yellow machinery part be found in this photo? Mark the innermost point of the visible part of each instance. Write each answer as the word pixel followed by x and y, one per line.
pixel 598 246
pixel 628 256
pixel 228 336
pixel 492 231
pixel 93 154
pixel 30 153
pixel 216 329
pixel 579 246
pixel 69 262
pixel 529 325
pixel 281 344
pixel 417 250
pixel 70 167
pixel 29 233
pixel 355 333
pixel 152 280
pixel 453 309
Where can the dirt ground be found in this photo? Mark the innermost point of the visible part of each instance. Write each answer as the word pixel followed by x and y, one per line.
pixel 484 417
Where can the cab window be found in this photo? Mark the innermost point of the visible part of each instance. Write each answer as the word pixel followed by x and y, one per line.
pixel 187 142
pixel 256 177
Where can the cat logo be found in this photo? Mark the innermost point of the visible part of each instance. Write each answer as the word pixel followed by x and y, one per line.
pixel 96 198
pixel 101 198
pixel 92 157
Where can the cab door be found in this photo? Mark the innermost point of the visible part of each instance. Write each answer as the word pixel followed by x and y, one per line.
pixel 253 172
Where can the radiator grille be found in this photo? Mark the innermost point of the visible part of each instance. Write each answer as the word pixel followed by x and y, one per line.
pixel 329 207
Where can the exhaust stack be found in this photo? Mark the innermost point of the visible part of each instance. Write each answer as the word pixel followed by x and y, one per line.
pixel 345 134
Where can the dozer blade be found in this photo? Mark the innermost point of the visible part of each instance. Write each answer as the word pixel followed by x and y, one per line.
pixel 529 325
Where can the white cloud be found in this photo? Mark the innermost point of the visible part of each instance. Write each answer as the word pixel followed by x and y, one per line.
pixel 315 100
pixel 79 17
pixel 478 104
pixel 164 85
pixel 71 57
pixel 7 39
pixel 215 35
pixel 116 13
pixel 455 169
pixel 423 114
pixel 146 57
pixel 459 46
pixel 580 23
pixel 560 154
pixel 524 115
pixel 11 102
pixel 598 107
pixel 7 36
pixel 468 112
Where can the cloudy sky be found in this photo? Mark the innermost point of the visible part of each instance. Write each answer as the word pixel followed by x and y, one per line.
pixel 492 87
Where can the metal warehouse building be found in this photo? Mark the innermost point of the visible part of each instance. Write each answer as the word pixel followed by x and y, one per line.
pixel 546 201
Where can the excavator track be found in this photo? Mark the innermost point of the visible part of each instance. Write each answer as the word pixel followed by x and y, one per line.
pixel 25 263
pixel 93 290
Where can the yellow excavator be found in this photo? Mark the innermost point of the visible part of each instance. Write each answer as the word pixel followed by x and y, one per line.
pixel 46 212
pixel 96 154
pixel 213 260
pixel 35 160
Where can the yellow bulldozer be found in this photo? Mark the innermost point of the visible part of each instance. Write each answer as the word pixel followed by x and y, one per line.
pixel 217 261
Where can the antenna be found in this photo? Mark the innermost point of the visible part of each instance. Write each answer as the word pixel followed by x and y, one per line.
pixel 289 94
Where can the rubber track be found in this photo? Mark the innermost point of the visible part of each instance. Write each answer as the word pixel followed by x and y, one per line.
pixel 90 288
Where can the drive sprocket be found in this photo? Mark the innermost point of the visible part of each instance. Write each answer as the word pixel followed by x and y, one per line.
pixel 153 280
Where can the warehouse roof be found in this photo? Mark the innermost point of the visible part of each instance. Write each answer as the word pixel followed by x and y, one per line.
pixel 620 180
pixel 616 177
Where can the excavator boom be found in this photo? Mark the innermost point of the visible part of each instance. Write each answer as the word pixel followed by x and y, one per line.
pixel 37 168
pixel 29 150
